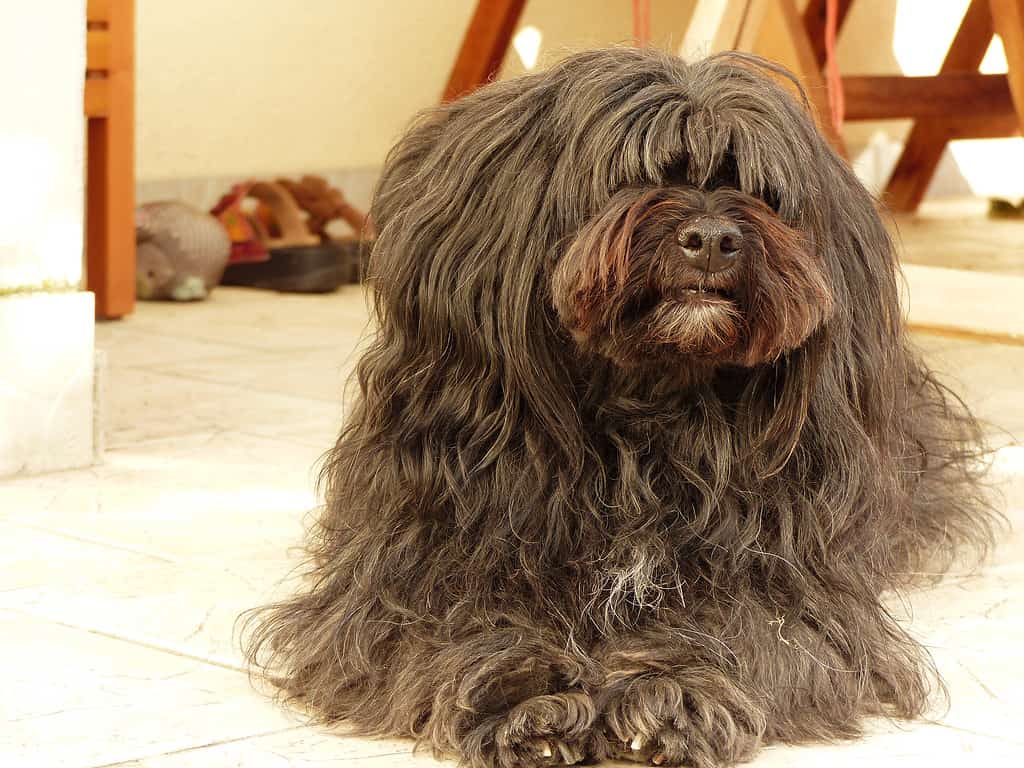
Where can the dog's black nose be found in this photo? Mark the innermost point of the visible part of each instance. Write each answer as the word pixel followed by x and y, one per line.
pixel 711 244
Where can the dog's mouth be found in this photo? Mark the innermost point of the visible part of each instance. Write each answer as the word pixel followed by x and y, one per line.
pixel 698 293
pixel 697 320
pixel 704 296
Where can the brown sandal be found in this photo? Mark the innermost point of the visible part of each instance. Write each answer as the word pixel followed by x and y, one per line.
pixel 280 217
pixel 324 204
pixel 290 258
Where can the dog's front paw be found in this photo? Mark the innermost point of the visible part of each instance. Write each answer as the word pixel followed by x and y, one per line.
pixel 546 730
pixel 660 721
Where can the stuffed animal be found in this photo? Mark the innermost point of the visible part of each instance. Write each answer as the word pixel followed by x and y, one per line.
pixel 181 251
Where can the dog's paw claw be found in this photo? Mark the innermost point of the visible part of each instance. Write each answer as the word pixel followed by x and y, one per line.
pixel 658 758
pixel 558 752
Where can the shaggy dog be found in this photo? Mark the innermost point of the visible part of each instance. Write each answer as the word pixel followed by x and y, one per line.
pixel 641 442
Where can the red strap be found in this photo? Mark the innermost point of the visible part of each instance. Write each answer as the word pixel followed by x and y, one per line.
pixel 836 102
pixel 641 22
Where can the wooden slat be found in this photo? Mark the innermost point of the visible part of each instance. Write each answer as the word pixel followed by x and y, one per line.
pixel 484 46
pixel 110 175
pixel 809 71
pixel 97 11
pixel 969 127
pixel 893 97
pixel 1008 20
pixel 97 50
pixel 814 24
pixel 97 97
pixel 723 25
pixel 750 24
pixel 928 138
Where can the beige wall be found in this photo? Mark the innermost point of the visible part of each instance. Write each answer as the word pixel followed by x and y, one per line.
pixel 268 87
pixel 271 86
pixel 42 61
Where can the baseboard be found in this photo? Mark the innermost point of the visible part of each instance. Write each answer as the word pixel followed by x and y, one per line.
pixel 203 192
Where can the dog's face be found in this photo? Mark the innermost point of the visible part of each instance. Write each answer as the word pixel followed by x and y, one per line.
pixel 667 218
pixel 682 273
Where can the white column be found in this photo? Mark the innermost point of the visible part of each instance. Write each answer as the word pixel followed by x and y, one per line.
pixel 46 320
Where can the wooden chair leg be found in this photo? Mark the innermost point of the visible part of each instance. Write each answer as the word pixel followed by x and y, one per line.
pixel 928 138
pixel 110 176
pixel 484 46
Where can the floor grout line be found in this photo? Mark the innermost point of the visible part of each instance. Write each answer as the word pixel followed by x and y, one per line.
pixel 324 447
pixel 249 387
pixel 199 746
pixel 213 341
pixel 153 646
pixel 95 542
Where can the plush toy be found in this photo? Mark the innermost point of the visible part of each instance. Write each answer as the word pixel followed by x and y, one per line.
pixel 181 251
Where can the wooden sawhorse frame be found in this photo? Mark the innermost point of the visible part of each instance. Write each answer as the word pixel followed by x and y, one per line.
pixel 958 103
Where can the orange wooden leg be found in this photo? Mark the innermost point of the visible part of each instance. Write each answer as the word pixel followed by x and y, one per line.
pixel 484 46
pixel 110 176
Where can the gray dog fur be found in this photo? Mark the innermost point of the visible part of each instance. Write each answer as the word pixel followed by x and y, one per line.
pixel 594 502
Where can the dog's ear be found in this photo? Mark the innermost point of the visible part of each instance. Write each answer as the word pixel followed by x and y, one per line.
pixel 847 377
pixel 775 407
pixel 466 228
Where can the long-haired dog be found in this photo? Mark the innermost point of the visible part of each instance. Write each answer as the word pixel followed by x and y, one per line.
pixel 640 443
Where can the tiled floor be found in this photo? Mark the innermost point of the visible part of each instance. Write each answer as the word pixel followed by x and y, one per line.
pixel 119 585
pixel 956 233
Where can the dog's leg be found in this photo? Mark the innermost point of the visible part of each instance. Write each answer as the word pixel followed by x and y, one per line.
pixel 663 708
pixel 702 692
pixel 507 698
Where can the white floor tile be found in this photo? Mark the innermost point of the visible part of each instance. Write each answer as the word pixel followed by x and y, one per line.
pixel 74 699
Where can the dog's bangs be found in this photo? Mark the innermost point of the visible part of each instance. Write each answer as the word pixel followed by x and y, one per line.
pixel 669 141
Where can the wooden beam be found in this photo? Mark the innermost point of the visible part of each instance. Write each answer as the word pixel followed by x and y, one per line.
pixel 484 46
pixel 110 174
pixel 894 97
pixel 807 69
pixel 814 24
pixel 928 138
pixel 1008 21
pixel 723 25
pixel 989 127
pixel 750 25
